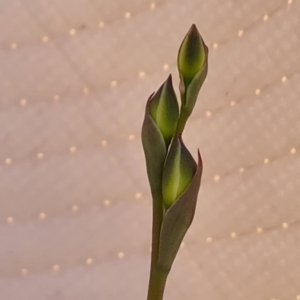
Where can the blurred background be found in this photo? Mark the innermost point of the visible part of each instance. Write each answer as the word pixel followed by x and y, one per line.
pixel 75 207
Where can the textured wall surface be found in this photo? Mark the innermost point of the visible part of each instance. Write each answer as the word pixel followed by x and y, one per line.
pixel 75 209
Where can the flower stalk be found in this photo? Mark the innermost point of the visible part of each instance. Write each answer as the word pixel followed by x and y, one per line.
pixel 174 176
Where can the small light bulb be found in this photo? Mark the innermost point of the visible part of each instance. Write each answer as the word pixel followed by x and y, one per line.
pixel 75 208
pixel 232 103
pixel 104 143
pixel 56 268
pixel 106 202
pixel 86 91
pixel 259 230
pixel 121 255
pixel 215 45
pixel 138 195
pixel 8 161
pixel 101 24
pixel 113 83
pixel 152 5
pixel 240 33
pixel 73 149
pixel 56 97
pixel 72 32
pixel 285 225
pixel 293 151
pixel 127 15
pixel 283 78
pixel 257 91
pixel 45 39
pixel 233 235
pixel 208 240
pixel 241 170
pixel 89 261
pixel 216 178
pixel 10 220
pixel 42 216
pixel 131 137
pixel 266 17
pixel 208 114
pixel 23 102
pixel 266 161
pixel 13 46
pixel 40 155
pixel 142 74
pixel 24 272
pixel 165 67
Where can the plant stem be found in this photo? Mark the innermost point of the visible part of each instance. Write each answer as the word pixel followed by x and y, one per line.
pixel 157 284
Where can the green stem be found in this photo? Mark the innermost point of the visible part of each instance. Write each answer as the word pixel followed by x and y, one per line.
pixel 157 284
pixel 157 218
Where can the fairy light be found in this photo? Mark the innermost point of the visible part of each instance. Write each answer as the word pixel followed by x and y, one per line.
pixel 232 103
pixel 42 216
pixel 8 161
pixel 73 149
pixel 266 17
pixel 233 235
pixel 208 114
pixel 257 91
pixel 89 261
pixel 259 230
pixel 283 79
pixel 131 137
pixel 142 74
pixel 152 5
pixel 86 91
pixel 75 208
pixel 72 32
pixel 127 15
pixel 266 161
pixel 13 46
pixel 165 67
pixel 208 240
pixel 113 83
pixel 104 143
pixel 23 102
pixel 10 220
pixel 101 24
pixel 56 268
pixel 285 225
pixel 40 155
pixel 215 45
pixel 216 178
pixel 241 170
pixel 240 33
pixel 138 195
pixel 290 1
pixel 121 255
pixel 106 202
pixel 298 297
pixel 24 272
pixel 293 151
pixel 56 97
pixel 45 39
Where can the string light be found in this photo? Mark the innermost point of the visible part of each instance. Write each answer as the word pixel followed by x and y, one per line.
pixel 259 230
pixel 241 170
pixel 56 97
pixel 266 161
pixel 293 151
pixel 127 15
pixel 10 220
pixel 121 255
pixel 208 240
pixel 240 33
pixel 40 155
pixel 73 149
pixel 285 225
pixel 89 261
pixel 257 91
pixel 13 46
pixel 23 102
pixel 215 45
pixel 298 297
pixel 24 272
pixel 45 39
pixel 101 24
pixel 290 1
pixel 138 195
pixel 232 103
pixel 216 178
pixel 283 79
pixel 42 216
pixel 8 161
pixel 113 83
pixel 75 208
pixel 131 137
pixel 165 67
pixel 152 5
pixel 56 268
pixel 233 235
pixel 72 32
pixel 208 114
pixel 266 17
pixel 86 91
pixel 142 74
pixel 104 143
pixel 106 202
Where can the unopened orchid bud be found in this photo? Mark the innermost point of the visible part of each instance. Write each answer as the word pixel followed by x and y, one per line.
pixel 179 170
pixel 164 109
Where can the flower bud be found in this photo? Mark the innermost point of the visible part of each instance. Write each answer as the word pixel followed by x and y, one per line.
pixel 191 55
pixel 179 170
pixel 164 109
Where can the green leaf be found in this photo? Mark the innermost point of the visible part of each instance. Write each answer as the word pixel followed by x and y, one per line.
pixel 177 220
pixel 155 151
